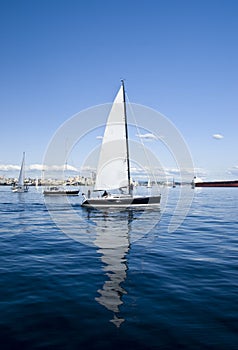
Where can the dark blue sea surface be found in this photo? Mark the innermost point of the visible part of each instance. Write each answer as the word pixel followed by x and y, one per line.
pixel 118 279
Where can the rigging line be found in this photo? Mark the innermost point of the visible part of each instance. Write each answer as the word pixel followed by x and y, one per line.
pixel 152 172
pixel 127 142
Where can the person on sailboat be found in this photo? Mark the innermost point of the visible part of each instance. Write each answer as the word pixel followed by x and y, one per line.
pixel 105 194
pixel 131 187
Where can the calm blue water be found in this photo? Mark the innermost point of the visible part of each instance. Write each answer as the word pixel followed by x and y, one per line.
pixel 126 287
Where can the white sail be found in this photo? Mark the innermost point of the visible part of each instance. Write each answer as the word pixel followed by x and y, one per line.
pixel 22 172
pixel 112 171
pixel 149 184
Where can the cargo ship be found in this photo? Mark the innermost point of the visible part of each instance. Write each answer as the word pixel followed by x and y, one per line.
pixel 225 183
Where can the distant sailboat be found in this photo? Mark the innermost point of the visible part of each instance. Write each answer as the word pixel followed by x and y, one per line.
pixel 60 191
pixel 20 186
pixel 149 184
pixel 113 171
pixel 63 190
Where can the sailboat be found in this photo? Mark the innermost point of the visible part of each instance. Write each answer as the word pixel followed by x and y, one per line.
pixel 20 186
pixel 60 191
pixel 113 170
pixel 63 190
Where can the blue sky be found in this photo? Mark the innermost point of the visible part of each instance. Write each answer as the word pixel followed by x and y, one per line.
pixel 59 57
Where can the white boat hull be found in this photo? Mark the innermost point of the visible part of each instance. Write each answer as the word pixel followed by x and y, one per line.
pixel 19 189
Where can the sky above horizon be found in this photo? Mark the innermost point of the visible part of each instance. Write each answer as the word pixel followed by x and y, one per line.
pixel 60 57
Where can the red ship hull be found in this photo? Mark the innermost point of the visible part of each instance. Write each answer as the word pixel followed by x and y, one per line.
pixel 233 183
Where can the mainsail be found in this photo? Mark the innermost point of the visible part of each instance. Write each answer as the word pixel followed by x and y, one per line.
pixel 112 170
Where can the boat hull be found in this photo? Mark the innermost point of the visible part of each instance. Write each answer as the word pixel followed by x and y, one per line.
pixel 217 184
pixel 61 193
pixel 19 189
pixel 121 201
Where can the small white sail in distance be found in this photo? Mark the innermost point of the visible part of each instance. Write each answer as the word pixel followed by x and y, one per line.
pixel 112 170
pixel 22 172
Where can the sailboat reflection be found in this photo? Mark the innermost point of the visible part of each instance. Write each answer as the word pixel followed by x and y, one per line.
pixel 112 239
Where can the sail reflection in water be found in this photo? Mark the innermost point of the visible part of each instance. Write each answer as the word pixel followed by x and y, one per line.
pixel 112 231
pixel 112 239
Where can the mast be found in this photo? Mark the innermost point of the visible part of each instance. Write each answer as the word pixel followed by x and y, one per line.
pixel 127 142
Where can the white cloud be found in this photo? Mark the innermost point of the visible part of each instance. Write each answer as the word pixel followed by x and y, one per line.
pixel 233 171
pixel 38 167
pixel 9 167
pixel 162 173
pixel 99 137
pixel 217 136
pixel 59 167
pixel 148 136
pixel 188 173
pixel 71 168
pixel 35 167
pixel 200 172
pixel 137 170
pixel 87 168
